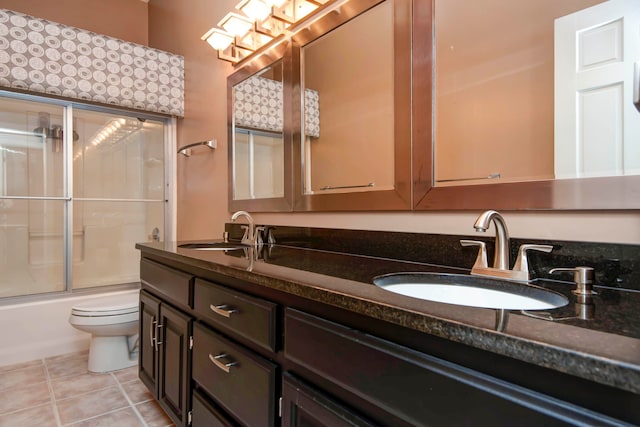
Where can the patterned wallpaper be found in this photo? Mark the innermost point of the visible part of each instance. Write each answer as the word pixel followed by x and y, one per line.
pixel 46 57
pixel 257 102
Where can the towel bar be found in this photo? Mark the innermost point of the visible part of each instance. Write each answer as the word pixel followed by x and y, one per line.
pixel 186 150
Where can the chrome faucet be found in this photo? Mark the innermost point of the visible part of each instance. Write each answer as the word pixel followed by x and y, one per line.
pixel 249 237
pixel 501 253
pixel 501 262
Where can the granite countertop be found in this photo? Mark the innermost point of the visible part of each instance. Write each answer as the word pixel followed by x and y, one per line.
pixel 604 349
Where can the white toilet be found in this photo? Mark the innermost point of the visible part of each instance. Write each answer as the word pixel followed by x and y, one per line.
pixel 113 324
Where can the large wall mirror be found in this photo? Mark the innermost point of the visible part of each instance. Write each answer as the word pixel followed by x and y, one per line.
pixel 534 104
pixel 259 127
pixel 454 105
pixel 348 73
pixel 355 83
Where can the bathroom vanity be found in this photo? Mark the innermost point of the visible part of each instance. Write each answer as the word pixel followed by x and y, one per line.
pixel 292 334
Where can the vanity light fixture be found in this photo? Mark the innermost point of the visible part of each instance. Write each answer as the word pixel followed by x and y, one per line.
pixel 256 10
pixel 239 36
pixel 235 24
pixel 218 39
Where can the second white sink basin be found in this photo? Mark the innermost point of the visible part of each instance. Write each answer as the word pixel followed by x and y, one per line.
pixel 472 291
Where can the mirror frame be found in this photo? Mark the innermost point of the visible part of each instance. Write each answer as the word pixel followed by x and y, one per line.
pixel 414 152
pixel 284 52
pixel 400 198
pixel 606 193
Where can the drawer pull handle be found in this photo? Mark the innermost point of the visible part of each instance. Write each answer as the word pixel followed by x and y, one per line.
pixel 158 342
pixel 223 310
pixel 152 332
pixel 224 366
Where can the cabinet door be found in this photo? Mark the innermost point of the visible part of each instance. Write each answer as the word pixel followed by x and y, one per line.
pixel 174 375
pixel 303 406
pixel 147 358
pixel 413 388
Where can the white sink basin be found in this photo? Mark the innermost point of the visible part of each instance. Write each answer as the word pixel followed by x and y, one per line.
pixel 472 291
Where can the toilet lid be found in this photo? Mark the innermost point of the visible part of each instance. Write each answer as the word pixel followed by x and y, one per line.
pixel 107 306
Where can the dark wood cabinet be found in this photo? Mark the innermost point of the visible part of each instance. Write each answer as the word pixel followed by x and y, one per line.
pixel 147 356
pixel 205 415
pixel 217 351
pixel 174 379
pixel 198 355
pixel 164 357
pixel 305 406
pixel 411 388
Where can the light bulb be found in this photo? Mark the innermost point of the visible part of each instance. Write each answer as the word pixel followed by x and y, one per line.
pixel 218 39
pixel 235 24
pixel 256 10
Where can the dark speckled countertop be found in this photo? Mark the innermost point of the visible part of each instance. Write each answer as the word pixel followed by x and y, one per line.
pixel 605 349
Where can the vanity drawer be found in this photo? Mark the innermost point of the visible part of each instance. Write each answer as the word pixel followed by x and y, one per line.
pixel 237 313
pixel 239 380
pixel 413 387
pixel 172 284
pixel 203 413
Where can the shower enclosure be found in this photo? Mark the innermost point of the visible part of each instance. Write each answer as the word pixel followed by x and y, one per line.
pixel 79 186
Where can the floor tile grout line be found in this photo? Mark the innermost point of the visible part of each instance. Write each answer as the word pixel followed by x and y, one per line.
pixel 84 393
pixel 131 404
pixel 95 416
pixel 52 397
pixel 8 371
pixel 63 377
pixel 52 402
pixel 4 414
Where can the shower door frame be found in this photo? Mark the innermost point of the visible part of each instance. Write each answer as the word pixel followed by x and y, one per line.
pixel 170 175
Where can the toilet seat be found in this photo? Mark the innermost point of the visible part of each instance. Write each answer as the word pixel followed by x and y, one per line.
pixel 110 306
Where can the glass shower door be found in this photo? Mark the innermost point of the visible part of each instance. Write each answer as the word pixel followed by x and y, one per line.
pixel 73 203
pixel 32 198
pixel 118 195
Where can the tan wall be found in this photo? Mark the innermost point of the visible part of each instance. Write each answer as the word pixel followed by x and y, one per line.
pixel 176 26
pixel 202 178
pixel 122 19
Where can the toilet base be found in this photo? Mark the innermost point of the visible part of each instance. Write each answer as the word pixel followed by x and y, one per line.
pixel 110 354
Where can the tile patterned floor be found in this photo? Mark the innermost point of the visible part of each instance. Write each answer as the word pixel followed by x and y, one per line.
pixel 59 391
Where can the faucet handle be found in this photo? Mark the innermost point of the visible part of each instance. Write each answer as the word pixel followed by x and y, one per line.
pixel 582 276
pixel 246 235
pixel 271 240
pixel 481 259
pixel 522 262
pixel 258 232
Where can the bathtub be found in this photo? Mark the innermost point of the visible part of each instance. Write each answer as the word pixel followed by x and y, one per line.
pixel 39 329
